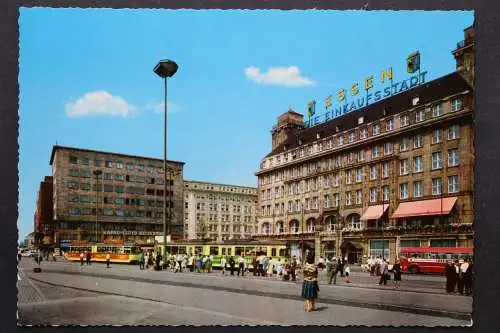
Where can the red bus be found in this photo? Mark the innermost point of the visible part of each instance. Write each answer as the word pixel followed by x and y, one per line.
pixel 430 259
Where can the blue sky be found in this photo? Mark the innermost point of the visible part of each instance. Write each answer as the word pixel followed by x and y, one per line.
pixel 86 79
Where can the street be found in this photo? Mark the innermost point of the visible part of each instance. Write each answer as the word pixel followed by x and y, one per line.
pixel 66 293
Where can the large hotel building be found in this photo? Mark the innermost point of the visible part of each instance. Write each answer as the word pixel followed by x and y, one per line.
pixel 102 196
pixel 396 173
pixel 219 211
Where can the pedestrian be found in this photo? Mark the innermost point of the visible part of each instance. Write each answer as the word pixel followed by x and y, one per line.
pixel 293 268
pixel 457 275
pixel 310 285
pixel 200 263
pixel 141 260
pixel 255 265
pixel 191 263
pixel 108 258
pixel 396 269
pixel 179 261
pixel 348 274
pixel 231 264
pixel 279 268
pixel 241 265
pixel 88 258
pixel 383 273
pixel 462 276
pixel 270 270
pixel 334 271
pixel 265 264
pixel 340 265
pixel 81 258
pixel 223 265
pixel 469 277
pixel 450 277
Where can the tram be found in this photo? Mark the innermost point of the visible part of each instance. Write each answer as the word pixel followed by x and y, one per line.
pixel 120 253
pixel 275 251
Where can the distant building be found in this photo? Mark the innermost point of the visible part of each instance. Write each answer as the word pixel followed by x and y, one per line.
pixel 44 207
pixel 29 240
pixel 396 173
pixel 219 211
pixel 123 201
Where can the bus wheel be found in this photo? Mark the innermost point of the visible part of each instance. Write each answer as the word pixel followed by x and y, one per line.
pixel 413 269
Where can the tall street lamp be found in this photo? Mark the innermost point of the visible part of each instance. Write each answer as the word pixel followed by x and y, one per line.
pixel 97 173
pixel 165 69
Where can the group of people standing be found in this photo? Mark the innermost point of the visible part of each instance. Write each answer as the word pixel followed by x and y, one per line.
pixel 334 266
pixel 459 276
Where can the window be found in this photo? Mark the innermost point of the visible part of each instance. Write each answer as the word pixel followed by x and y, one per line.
pixel 453 159
pixel 290 206
pixel 385 170
pixel 359 175
pixel 327 181
pixel 389 125
pixel 108 211
pixel 108 176
pixel 403 167
pixel 119 189
pixel 327 201
pixel 376 151
pixel 119 165
pixel 73 185
pixel 348 176
pixel 404 144
pixel 388 148
pixel 380 249
pixel 359 197
pixel 450 242
pixel 437 162
pixel 108 164
pixel 418 142
pixel 354 221
pixel 373 172
pixel 120 201
pixel 85 173
pixel 437 110
pixel 453 184
pixel 336 200
pixel 437 184
pixel 85 161
pixel 119 177
pixel 385 193
pixel 361 155
pixel 404 121
pixel 348 199
pixel 85 186
pixel 363 133
pixel 417 189
pixel 373 194
pixel 315 184
pixel 419 164
pixel 341 140
pixel 73 173
pixel 73 159
pixel 352 137
pixel 350 157
pixel 316 203
pixel 308 204
pixel 74 211
pixel 456 104
pixel 403 191
pixel 419 116
pixel 336 180
pixel 453 132
pixel 308 185
pixel 436 136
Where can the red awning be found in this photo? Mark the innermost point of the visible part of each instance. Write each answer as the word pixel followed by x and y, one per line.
pixel 425 207
pixel 374 212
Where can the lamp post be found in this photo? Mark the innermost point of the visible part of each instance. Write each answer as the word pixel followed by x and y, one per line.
pixel 165 69
pixel 97 173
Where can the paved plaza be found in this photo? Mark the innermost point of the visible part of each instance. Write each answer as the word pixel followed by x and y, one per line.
pixel 66 293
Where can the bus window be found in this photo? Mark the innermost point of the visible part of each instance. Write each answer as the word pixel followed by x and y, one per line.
pixel 214 250
pixel 239 250
pixel 273 252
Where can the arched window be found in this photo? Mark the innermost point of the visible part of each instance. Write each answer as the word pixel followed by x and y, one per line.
pixel 294 226
pixel 331 223
pixel 279 227
pixel 353 221
pixel 266 228
pixel 310 225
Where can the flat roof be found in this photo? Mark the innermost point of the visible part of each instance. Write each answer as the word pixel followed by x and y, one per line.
pixel 55 147
pixel 219 184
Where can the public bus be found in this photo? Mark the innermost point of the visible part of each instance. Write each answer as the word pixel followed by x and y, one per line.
pixel 119 253
pixel 274 250
pixel 431 259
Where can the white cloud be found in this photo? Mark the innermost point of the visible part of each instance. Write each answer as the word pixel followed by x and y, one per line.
pixel 284 76
pixel 160 107
pixel 99 103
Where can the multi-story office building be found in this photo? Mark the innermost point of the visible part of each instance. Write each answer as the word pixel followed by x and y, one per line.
pixel 395 173
pixel 110 196
pixel 43 214
pixel 219 211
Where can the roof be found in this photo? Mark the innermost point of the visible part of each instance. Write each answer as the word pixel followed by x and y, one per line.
pixel 433 90
pixel 218 184
pixel 55 147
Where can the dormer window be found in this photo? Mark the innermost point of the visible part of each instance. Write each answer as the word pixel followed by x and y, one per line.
pixel 361 120
pixel 415 100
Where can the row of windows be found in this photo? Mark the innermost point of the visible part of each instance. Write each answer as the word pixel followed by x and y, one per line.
pixel 220 188
pixel 113 212
pixel 117 201
pixel 362 133
pixel 359 156
pixel 356 197
pixel 109 226
pixel 73 185
pixel 119 177
pixel 114 164
pixel 314 184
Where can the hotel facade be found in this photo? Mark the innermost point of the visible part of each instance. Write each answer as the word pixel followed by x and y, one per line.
pixel 103 196
pixel 219 211
pixel 396 173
